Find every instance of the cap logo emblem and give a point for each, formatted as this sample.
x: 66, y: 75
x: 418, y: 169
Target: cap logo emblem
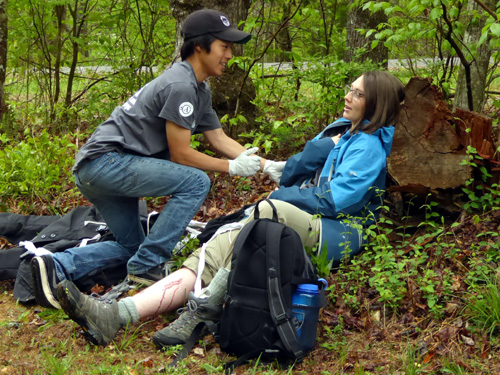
x: 186, y: 109
x: 225, y: 21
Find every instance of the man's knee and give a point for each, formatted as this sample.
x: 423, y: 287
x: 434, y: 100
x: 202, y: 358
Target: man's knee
x: 206, y: 183
x: 196, y: 182
x: 201, y: 181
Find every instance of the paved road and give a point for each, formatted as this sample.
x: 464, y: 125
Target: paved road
x: 393, y: 64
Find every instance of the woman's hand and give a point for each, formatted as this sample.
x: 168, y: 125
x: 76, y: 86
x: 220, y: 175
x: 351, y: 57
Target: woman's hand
x: 336, y: 138
x: 274, y: 169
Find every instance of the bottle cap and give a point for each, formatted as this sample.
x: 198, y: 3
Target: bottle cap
x: 310, y: 288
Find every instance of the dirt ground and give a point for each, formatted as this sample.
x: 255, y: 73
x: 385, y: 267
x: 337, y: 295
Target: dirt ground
x: 370, y: 339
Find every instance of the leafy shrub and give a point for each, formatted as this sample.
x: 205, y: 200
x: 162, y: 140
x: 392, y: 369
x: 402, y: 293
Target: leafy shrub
x: 483, y: 308
x: 37, y: 168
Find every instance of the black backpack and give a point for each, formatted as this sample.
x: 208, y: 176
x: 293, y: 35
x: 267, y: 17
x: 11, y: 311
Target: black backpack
x: 268, y: 263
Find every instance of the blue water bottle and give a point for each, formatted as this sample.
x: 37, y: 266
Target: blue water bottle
x: 305, y: 309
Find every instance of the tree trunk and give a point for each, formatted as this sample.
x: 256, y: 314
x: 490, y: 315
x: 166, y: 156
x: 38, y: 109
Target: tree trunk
x: 480, y: 62
x: 225, y: 89
x: 3, y: 54
x: 358, y: 47
x: 60, y: 12
x: 79, y: 14
x: 326, y: 23
x: 283, y: 39
x: 430, y: 141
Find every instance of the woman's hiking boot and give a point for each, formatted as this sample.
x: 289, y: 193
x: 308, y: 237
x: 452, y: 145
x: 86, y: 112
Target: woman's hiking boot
x: 196, y: 311
x: 206, y: 307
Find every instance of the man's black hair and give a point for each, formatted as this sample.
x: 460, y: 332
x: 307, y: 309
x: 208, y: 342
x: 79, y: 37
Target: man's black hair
x: 204, y: 41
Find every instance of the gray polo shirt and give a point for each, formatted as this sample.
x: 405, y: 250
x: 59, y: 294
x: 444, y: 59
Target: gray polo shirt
x: 138, y: 126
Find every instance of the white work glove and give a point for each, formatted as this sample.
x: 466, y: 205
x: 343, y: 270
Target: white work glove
x: 274, y: 169
x: 245, y: 165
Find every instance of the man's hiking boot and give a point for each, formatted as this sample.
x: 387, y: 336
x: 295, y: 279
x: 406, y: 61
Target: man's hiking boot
x: 205, y: 307
x: 149, y: 277
x: 197, y: 310
x: 100, y: 320
x: 44, y: 277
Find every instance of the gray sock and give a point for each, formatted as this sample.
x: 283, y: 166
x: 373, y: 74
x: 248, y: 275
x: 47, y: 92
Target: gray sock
x: 217, y: 288
x: 127, y: 311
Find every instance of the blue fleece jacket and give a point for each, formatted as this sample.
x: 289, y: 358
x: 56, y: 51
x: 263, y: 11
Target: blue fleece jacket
x: 352, y: 176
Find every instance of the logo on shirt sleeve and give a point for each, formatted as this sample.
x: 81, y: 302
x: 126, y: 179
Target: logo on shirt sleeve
x: 186, y: 109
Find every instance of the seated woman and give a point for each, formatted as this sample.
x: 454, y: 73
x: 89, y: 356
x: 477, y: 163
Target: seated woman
x: 333, y: 178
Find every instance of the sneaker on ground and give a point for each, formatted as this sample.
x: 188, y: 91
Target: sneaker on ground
x: 44, y: 277
x: 149, y: 277
x: 196, y: 311
x: 100, y: 320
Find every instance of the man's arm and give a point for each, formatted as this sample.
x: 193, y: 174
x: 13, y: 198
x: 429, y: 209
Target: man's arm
x: 225, y: 145
x: 179, y: 140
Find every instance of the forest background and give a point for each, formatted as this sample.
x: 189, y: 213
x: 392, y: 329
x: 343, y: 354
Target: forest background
x: 422, y: 297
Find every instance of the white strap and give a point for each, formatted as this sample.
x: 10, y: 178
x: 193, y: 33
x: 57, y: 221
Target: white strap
x: 194, y: 224
x: 32, y: 249
x: 149, y: 218
x: 201, y: 267
x: 86, y: 240
x: 87, y: 222
x: 201, y: 259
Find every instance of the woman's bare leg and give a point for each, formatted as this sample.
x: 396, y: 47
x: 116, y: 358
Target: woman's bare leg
x: 167, y: 294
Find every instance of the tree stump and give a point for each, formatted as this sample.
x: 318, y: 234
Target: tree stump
x: 430, y: 141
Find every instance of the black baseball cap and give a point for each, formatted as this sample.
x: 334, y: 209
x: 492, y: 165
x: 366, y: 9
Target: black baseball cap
x: 210, y: 21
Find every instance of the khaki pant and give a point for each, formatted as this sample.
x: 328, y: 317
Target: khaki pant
x: 219, y: 250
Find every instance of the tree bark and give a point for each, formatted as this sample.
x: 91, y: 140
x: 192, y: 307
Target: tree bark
x: 283, y: 39
x: 3, y: 54
x: 480, y: 63
x: 355, y: 42
x: 60, y: 13
x: 79, y: 13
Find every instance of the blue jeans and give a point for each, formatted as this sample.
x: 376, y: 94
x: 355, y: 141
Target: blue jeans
x: 113, y: 183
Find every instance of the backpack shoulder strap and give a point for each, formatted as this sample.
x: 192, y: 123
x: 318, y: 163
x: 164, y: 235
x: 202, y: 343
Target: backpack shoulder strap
x: 199, y: 331
x: 286, y: 330
x: 248, y: 227
x: 202, y: 329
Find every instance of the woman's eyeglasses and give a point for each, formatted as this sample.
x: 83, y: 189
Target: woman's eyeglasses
x: 356, y: 94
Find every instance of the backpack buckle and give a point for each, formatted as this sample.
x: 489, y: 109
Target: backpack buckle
x: 271, y: 272
x: 281, y: 318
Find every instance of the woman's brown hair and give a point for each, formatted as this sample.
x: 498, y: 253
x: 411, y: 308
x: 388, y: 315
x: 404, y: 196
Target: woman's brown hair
x: 383, y: 94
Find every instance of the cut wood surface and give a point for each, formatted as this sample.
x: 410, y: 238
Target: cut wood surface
x: 430, y: 141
